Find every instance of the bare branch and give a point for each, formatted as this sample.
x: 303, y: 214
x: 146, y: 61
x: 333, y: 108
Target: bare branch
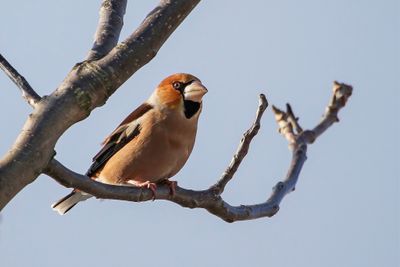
x: 293, y: 119
x: 108, y: 29
x: 206, y: 199
x: 211, y: 199
x: 287, y: 121
x: 141, y: 46
x: 341, y: 93
x: 27, y: 91
x: 285, y: 125
x: 242, y: 149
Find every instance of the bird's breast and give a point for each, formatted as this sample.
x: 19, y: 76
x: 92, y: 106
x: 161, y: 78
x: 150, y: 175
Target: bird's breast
x: 161, y: 149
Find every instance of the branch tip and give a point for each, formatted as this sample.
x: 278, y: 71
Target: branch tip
x: 242, y: 149
x: 28, y: 93
x: 279, y: 114
x: 292, y: 119
x: 263, y: 101
x: 342, y: 92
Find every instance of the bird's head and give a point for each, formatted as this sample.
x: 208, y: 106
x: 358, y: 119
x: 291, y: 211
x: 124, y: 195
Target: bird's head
x: 180, y: 91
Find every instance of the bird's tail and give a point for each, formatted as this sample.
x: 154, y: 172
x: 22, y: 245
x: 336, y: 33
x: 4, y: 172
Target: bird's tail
x: 69, y: 201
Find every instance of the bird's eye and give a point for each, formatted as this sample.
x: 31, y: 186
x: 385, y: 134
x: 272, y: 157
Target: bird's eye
x: 177, y: 85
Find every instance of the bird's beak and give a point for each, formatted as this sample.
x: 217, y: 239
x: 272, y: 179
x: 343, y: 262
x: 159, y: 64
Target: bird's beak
x: 195, y: 91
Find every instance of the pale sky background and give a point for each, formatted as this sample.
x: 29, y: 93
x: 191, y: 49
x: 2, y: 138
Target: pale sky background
x: 345, y: 211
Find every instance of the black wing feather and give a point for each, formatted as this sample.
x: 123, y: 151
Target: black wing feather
x: 118, y: 138
x: 109, y: 149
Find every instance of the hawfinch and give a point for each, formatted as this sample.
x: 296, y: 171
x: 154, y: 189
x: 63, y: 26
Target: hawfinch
x: 152, y: 144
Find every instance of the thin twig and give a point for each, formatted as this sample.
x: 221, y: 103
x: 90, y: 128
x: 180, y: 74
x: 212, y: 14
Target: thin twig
x: 242, y: 149
x: 293, y: 119
x: 341, y: 93
x: 298, y: 141
x: 27, y: 91
x: 108, y: 28
x: 285, y: 127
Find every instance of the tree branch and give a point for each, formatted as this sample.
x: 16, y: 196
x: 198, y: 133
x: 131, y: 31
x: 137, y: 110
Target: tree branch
x: 210, y: 199
x: 87, y: 86
x: 205, y: 199
x: 293, y: 120
x: 140, y: 47
x: 27, y: 91
x: 341, y: 93
x: 108, y: 28
x: 242, y: 149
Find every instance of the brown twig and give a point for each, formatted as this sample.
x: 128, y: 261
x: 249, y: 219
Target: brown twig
x: 242, y: 149
x: 27, y: 91
x: 341, y: 93
x: 285, y: 126
x: 298, y: 141
x: 293, y: 120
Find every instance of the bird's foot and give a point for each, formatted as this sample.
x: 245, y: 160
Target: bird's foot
x: 172, y: 186
x: 147, y: 184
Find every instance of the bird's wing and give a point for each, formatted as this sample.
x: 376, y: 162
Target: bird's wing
x: 125, y: 132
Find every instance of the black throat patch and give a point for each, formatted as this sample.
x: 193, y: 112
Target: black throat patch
x: 191, y: 108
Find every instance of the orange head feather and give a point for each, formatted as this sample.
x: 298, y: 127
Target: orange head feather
x: 170, y: 91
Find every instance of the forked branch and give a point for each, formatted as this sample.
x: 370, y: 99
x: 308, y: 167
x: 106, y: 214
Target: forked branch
x: 211, y: 199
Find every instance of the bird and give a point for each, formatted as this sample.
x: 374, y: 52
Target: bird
x: 151, y: 144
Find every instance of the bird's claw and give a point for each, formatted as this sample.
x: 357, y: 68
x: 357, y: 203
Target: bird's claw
x: 148, y: 185
x: 172, y: 186
x: 153, y: 188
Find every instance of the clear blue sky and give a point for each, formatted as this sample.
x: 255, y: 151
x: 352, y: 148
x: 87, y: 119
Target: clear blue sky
x: 345, y: 211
